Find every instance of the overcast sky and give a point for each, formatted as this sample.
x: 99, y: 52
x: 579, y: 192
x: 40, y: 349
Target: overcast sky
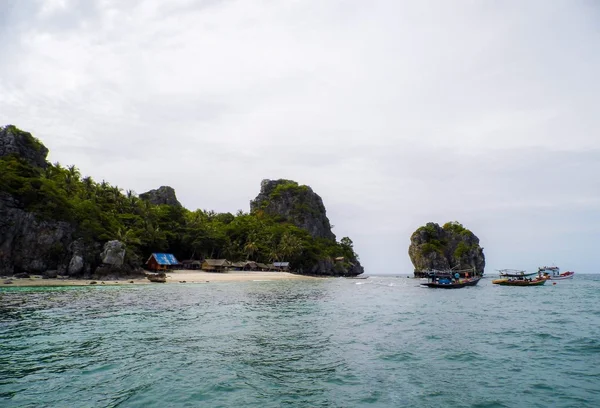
x: 397, y: 113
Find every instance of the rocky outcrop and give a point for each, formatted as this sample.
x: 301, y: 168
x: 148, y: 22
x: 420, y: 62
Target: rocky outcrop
x: 331, y: 267
x: 29, y: 244
x: 288, y: 201
x: 161, y: 196
x: 113, y: 253
x: 294, y: 203
x: 14, y: 141
x: 441, y: 248
x: 115, y: 263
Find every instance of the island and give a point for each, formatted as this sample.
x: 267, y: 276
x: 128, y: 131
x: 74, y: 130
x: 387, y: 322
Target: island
x: 56, y: 222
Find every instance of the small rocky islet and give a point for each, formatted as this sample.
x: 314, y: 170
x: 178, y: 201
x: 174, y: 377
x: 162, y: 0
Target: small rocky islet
x: 451, y: 246
x: 55, y: 222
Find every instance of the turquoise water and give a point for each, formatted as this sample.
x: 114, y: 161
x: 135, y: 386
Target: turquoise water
x: 381, y: 342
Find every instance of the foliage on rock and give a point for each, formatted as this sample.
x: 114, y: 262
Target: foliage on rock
x: 440, y: 248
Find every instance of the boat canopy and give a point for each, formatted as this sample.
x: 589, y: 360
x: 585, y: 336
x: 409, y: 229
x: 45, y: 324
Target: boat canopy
x: 515, y: 273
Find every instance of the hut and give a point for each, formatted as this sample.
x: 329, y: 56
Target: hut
x: 215, y: 265
x: 238, y: 266
x: 250, y: 266
x: 263, y: 267
x: 161, y: 262
x: 282, y: 266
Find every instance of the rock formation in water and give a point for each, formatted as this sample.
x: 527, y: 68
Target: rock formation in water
x: 296, y: 204
x: 442, y: 248
x: 164, y: 195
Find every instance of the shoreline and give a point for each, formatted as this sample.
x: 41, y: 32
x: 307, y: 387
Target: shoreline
x: 175, y: 276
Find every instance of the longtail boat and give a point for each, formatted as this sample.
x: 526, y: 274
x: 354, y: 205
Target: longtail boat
x: 450, y: 280
x: 515, y: 277
x: 520, y: 282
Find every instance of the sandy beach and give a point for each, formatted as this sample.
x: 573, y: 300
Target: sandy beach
x: 177, y: 276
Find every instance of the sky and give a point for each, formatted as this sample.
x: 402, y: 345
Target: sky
x: 397, y: 113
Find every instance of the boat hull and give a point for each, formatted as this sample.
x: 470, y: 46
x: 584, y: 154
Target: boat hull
x: 563, y: 276
x: 506, y: 282
x: 453, y: 285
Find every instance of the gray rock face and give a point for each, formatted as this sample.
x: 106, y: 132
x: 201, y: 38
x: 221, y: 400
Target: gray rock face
x: 113, y: 253
x: 16, y: 142
x: 329, y: 267
x: 75, y: 265
x: 162, y: 195
x: 29, y: 244
x: 443, y: 248
x: 294, y: 203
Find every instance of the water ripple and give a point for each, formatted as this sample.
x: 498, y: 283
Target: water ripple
x: 327, y: 343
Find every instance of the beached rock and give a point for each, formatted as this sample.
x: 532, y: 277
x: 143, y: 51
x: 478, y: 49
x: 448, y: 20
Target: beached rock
x: 157, y: 277
x: 8, y: 282
x: 164, y: 195
x: 294, y: 203
x: 443, y: 248
x: 14, y: 141
x: 53, y: 274
x: 113, y: 253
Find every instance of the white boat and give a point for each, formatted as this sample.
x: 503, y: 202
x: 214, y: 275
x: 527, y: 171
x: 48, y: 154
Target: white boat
x: 553, y: 273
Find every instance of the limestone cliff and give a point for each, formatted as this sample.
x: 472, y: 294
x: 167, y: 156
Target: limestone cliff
x: 32, y: 243
x: 29, y: 244
x: 14, y: 141
x: 164, y: 195
x: 441, y: 248
x: 288, y: 201
x: 296, y: 204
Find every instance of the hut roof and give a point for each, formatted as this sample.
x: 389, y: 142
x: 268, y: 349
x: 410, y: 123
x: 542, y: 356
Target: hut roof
x: 164, y: 259
x: 262, y: 265
x: 281, y: 264
x: 238, y: 264
x: 217, y: 262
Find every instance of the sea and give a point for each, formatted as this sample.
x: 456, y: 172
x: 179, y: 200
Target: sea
x: 377, y: 342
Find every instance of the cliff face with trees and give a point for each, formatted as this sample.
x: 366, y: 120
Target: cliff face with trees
x: 441, y: 248
x: 287, y: 202
x: 54, y: 220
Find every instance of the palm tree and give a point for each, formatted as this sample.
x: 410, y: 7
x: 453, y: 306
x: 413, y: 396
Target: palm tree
x: 250, y: 248
x: 289, y: 245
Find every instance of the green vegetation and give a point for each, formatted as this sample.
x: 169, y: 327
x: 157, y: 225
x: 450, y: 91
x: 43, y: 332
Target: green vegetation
x: 456, y: 227
x: 103, y: 212
x: 288, y: 187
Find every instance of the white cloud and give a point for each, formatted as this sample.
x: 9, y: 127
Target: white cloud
x: 396, y: 113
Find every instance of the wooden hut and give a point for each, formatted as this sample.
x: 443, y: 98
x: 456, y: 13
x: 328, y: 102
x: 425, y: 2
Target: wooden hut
x: 215, y: 265
x: 161, y: 262
x: 250, y: 266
